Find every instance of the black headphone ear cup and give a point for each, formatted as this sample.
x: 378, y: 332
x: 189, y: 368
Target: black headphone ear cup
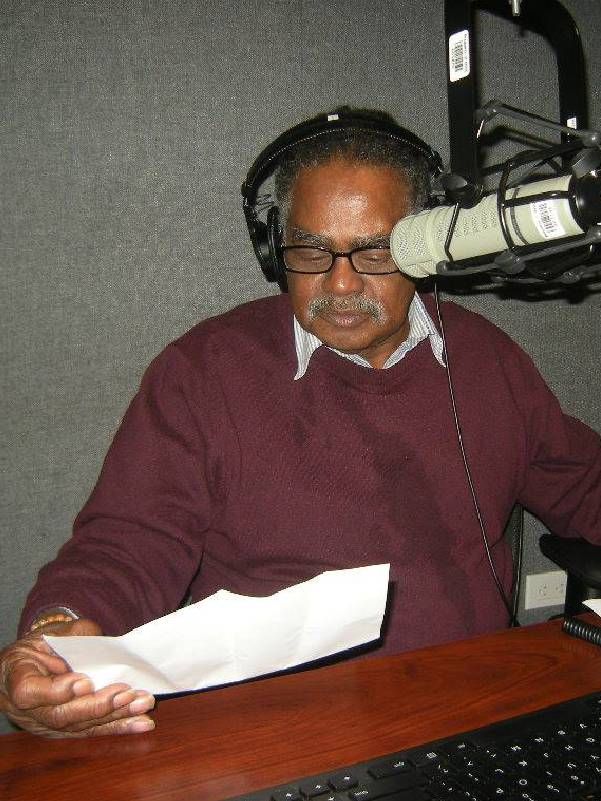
x: 274, y: 240
x: 260, y: 240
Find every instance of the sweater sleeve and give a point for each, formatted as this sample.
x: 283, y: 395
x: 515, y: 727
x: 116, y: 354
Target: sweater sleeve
x: 562, y: 480
x: 138, y: 541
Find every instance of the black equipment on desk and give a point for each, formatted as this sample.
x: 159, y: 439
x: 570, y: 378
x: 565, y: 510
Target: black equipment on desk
x: 554, y: 753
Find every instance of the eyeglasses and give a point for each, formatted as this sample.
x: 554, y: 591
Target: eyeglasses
x: 310, y: 260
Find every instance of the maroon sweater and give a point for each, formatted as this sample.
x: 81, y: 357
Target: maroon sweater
x: 228, y: 473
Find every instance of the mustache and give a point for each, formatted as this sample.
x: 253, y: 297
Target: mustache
x: 359, y: 303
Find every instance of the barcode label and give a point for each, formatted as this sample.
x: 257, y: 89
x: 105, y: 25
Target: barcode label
x: 459, y: 55
x: 546, y: 219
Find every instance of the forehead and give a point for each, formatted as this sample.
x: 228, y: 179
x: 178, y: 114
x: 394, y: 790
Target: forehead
x: 343, y: 199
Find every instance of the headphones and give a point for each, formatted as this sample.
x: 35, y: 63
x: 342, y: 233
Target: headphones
x: 266, y: 236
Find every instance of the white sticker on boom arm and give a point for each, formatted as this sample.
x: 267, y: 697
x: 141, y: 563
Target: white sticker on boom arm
x: 459, y: 55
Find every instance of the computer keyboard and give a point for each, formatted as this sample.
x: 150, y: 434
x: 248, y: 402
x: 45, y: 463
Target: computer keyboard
x: 551, y: 754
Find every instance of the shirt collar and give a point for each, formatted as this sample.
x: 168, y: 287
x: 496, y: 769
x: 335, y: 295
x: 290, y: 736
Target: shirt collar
x: 420, y: 327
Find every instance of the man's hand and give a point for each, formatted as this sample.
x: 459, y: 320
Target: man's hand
x: 39, y: 693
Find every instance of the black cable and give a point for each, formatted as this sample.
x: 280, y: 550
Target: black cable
x: 585, y: 631
x: 517, y: 572
x: 511, y: 612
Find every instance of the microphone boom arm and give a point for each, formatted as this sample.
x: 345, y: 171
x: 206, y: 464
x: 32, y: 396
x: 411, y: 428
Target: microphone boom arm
x: 463, y: 184
x: 547, y: 17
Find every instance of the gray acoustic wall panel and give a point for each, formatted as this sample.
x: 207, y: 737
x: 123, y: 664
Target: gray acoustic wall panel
x: 126, y: 130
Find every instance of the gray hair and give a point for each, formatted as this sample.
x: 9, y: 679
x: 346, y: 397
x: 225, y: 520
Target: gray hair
x: 359, y: 146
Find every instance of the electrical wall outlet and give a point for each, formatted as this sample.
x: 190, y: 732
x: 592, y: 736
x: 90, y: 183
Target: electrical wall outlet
x: 545, y: 589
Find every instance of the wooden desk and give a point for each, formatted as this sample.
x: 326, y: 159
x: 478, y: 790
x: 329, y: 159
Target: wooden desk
x: 221, y: 743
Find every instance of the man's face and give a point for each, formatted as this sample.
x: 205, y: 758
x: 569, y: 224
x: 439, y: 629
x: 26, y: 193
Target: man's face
x: 341, y: 205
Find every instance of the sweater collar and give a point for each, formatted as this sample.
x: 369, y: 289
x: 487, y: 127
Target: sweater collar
x: 421, y: 327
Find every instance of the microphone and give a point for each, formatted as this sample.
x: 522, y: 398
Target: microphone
x: 544, y: 211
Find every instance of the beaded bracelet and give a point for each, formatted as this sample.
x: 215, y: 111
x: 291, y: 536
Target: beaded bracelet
x: 49, y: 618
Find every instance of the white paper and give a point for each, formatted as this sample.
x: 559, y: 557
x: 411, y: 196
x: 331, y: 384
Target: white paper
x: 229, y: 637
x: 594, y: 604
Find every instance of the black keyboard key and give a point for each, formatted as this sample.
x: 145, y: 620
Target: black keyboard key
x: 390, y: 767
x: 425, y: 756
x: 331, y: 795
x: 590, y: 742
x: 556, y: 790
x: 456, y: 748
x: 343, y: 781
x: 286, y: 795
x: 314, y: 789
x: 386, y: 787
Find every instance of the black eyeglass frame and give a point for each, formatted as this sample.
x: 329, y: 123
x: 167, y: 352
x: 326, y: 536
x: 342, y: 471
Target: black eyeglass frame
x: 334, y: 255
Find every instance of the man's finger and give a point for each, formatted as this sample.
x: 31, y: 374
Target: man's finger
x: 110, y: 705
x: 136, y: 725
x: 131, y: 717
x: 29, y: 686
x: 81, y: 709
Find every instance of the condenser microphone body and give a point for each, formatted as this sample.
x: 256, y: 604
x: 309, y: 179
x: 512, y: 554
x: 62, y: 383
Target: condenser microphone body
x: 417, y: 242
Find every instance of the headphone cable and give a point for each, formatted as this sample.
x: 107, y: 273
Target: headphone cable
x: 512, y: 612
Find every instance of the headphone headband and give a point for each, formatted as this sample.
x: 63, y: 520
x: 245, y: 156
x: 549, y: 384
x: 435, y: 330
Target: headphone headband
x: 325, y: 125
x: 264, y: 236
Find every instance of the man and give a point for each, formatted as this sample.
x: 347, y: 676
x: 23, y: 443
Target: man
x: 306, y: 432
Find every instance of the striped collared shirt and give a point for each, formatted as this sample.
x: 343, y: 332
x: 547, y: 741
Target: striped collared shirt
x: 420, y: 327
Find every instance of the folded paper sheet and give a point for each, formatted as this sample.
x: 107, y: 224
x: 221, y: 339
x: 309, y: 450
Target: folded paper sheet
x: 230, y: 637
